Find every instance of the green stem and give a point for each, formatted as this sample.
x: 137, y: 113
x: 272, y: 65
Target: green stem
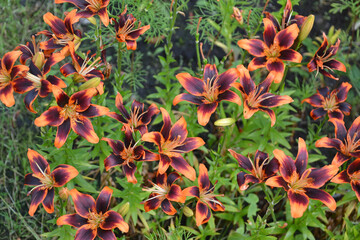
x: 198, y: 50
x: 270, y: 200
x: 119, y: 59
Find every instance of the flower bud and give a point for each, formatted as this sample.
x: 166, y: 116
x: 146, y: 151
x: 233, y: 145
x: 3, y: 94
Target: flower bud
x: 124, y: 209
x: 224, y: 122
x: 92, y: 20
x: 237, y: 14
x: 306, y: 28
x: 188, y: 212
x: 39, y: 59
x: 64, y: 193
x: 92, y: 83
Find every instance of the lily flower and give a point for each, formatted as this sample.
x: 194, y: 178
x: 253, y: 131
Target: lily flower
x: 125, y: 153
x: 137, y: 119
x: 301, y: 183
x: 93, y: 218
x: 347, y: 143
x: 91, y: 8
x: 331, y: 103
x: 350, y: 175
x: 275, y: 49
x: 163, y: 192
x: 62, y: 33
x: 9, y: 73
x: 206, y: 197
x: 172, y: 142
x: 258, y: 98
x: 32, y: 51
x: 286, y: 18
x: 72, y: 113
x: 261, y: 169
x: 36, y: 83
x: 323, y: 59
x: 209, y: 91
x: 44, y: 181
x: 124, y: 29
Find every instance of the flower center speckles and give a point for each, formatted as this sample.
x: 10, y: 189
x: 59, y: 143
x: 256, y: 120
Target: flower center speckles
x: 128, y: 155
x: 211, y: 90
x: 94, y: 5
x: 5, y: 78
x: 350, y: 145
x: 124, y: 31
x: 69, y: 111
x: 330, y: 103
x: 259, y: 168
x: 47, y: 181
x: 273, y: 52
x: 135, y: 116
x: 170, y: 145
x: 208, y: 196
x: 95, y: 219
x: 298, y: 184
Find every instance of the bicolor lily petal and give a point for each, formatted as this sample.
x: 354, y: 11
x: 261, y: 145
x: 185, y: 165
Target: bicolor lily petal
x: 275, y: 49
x: 350, y: 175
x: 72, y: 113
x: 261, y: 169
x: 172, y: 141
x: 206, y: 198
x: 44, y: 181
x: 8, y: 74
x: 301, y: 183
x: 91, y: 8
x: 125, y: 154
x: 347, y: 143
x: 124, y: 29
x: 323, y: 60
x: 258, y: 98
x: 93, y: 218
x: 163, y: 193
x: 208, y: 91
x: 62, y: 33
x: 138, y: 119
x: 36, y: 83
x: 331, y: 103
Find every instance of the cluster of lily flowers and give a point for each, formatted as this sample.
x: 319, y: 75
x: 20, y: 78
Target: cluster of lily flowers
x: 93, y: 218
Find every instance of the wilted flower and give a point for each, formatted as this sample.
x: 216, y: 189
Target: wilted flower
x: 92, y: 218
x: 209, y: 91
x: 331, y: 103
x: 323, y: 59
x: 275, y: 49
x: 347, y: 143
x: 206, y: 197
x: 301, y: 183
x: 261, y: 169
x: 258, y: 98
x: 163, y: 192
x: 45, y: 181
x: 172, y: 141
x: 72, y: 113
x: 124, y: 29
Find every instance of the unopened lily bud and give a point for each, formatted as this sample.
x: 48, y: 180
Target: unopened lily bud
x: 92, y: 20
x: 188, y: 212
x: 64, y: 193
x: 334, y: 37
x: 39, y: 59
x: 306, y: 28
x: 237, y: 14
x: 124, y: 209
x: 92, y: 83
x: 224, y: 122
